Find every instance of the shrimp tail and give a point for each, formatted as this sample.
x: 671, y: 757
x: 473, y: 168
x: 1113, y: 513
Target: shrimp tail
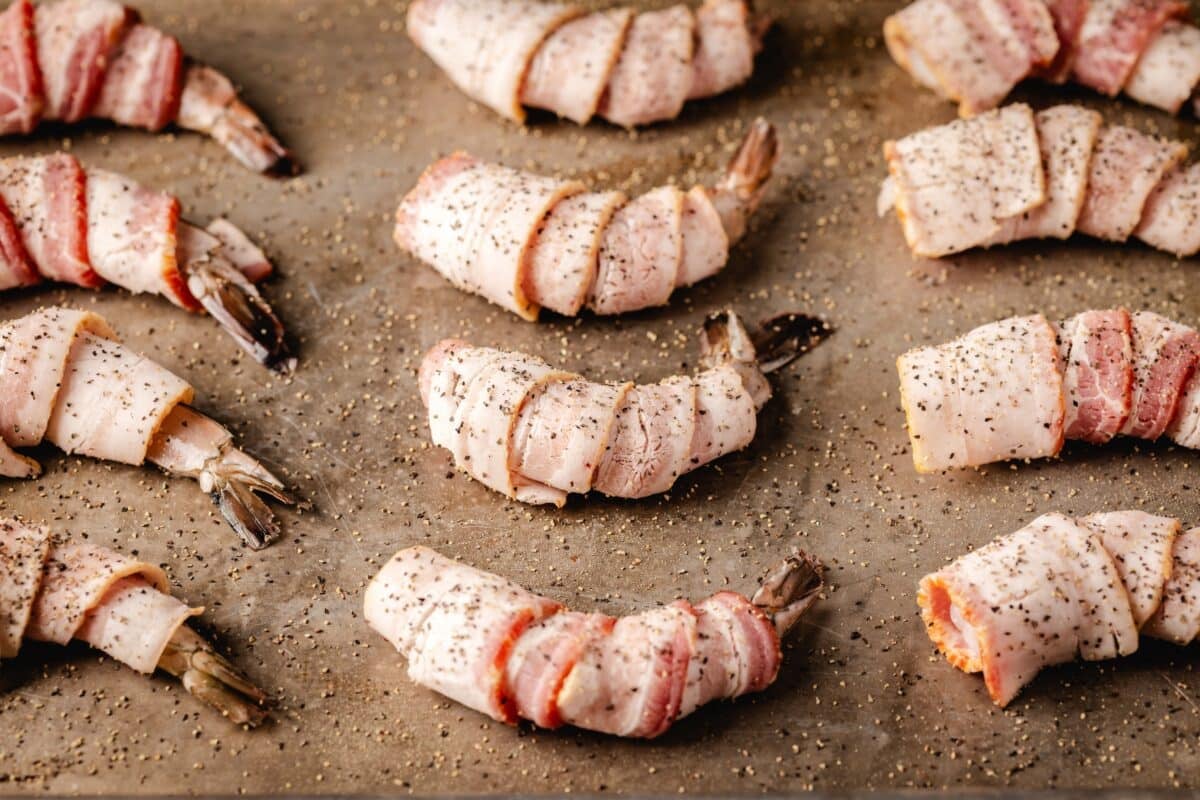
x: 232, y: 300
x: 211, y: 679
x: 238, y: 484
x: 190, y: 444
x: 237, y: 307
x: 210, y: 105
x: 760, y: 25
x: 773, y: 345
x: 738, y: 194
x: 789, y: 589
x: 782, y: 339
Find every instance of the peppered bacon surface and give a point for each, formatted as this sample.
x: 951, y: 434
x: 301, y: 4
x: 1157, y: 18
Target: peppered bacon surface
x: 1019, y: 387
x: 527, y: 242
x: 70, y: 60
x: 59, y: 591
x: 538, y: 434
x: 65, y: 222
x: 974, y: 52
x: 1061, y: 589
x: 628, y: 68
x: 65, y: 380
x: 508, y: 653
x: 1010, y: 174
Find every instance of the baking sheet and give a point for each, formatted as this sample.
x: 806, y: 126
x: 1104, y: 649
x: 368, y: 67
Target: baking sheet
x: 862, y: 700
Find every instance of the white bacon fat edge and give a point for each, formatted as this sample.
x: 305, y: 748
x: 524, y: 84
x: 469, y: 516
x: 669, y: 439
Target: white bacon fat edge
x: 511, y: 654
x: 629, y: 68
x: 1012, y: 174
x: 1020, y: 387
x: 74, y: 59
x: 537, y: 434
x: 54, y: 590
x: 527, y: 242
x: 1062, y: 588
x: 65, y: 222
x: 974, y: 52
x: 64, y: 379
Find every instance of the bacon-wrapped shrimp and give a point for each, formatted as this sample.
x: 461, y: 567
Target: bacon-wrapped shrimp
x: 537, y: 434
x: 69, y: 60
x: 629, y: 68
x: 56, y: 591
x: 1020, y: 387
x: 975, y: 52
x: 1012, y: 174
x: 1061, y: 589
x: 508, y: 653
x: 65, y: 222
x: 65, y: 379
x: 526, y: 242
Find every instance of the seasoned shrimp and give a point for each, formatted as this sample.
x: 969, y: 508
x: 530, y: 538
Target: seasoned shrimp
x: 527, y: 242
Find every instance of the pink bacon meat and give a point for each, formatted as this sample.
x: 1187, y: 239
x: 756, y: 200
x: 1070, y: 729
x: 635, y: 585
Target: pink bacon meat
x: 974, y: 52
x: 1061, y: 589
x: 74, y: 59
x: 629, y: 68
x: 59, y: 591
x: 527, y: 242
x: 511, y: 654
x: 63, y: 222
x: 1019, y: 387
x: 1010, y: 174
x: 537, y: 434
x: 64, y: 379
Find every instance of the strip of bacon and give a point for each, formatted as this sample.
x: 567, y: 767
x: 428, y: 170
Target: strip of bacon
x: 1114, y: 35
x: 992, y: 395
x: 1165, y: 354
x: 1098, y: 373
x: 47, y: 198
x: 21, y: 97
x: 75, y: 40
x: 144, y: 84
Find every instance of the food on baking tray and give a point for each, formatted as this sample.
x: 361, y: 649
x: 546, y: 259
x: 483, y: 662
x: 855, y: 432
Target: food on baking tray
x: 55, y: 591
x: 73, y: 59
x: 1018, y: 388
x: 1063, y: 588
x: 511, y: 654
x: 629, y: 68
x: 537, y: 434
x: 974, y: 52
x: 61, y: 221
x: 1012, y: 174
x: 64, y: 379
x: 526, y: 242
